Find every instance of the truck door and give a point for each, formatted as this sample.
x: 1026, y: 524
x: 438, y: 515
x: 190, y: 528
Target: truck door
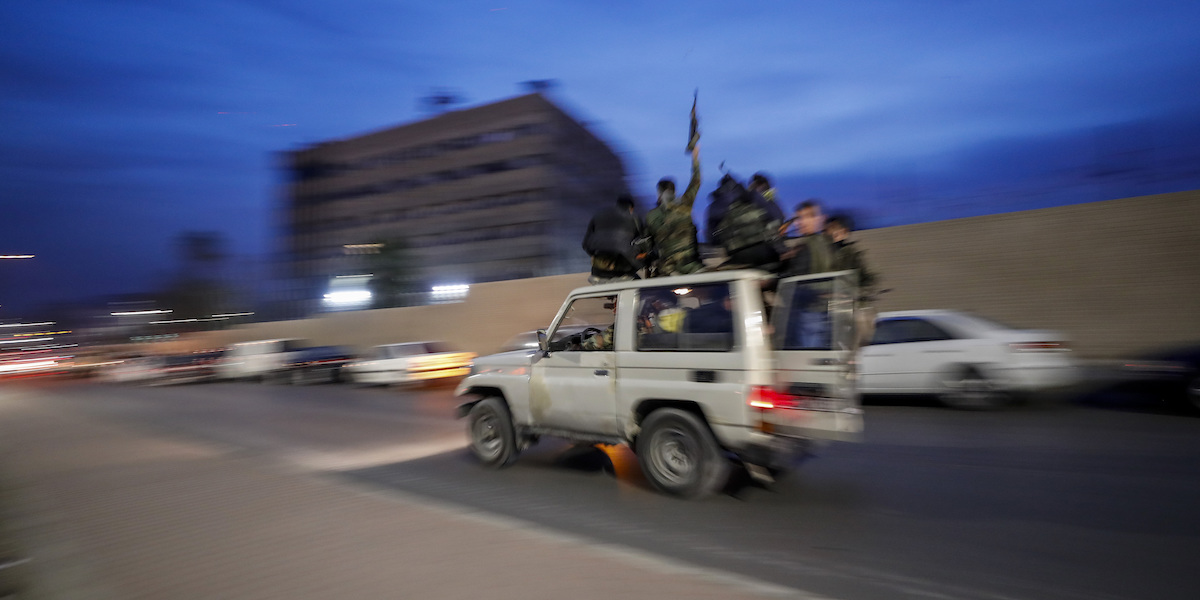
x: 573, y: 387
x: 814, y: 343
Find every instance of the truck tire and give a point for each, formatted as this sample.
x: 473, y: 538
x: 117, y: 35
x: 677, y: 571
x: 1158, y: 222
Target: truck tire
x: 679, y: 454
x: 490, y: 429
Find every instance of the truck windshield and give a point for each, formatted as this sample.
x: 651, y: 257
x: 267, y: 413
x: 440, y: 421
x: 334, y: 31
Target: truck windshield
x: 590, y: 312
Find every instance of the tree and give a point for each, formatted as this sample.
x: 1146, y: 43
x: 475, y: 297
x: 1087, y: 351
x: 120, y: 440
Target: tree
x: 197, y: 291
x: 393, y: 280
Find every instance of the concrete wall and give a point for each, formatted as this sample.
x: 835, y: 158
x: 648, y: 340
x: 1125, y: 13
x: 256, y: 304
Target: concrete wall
x: 1118, y: 276
x: 492, y: 313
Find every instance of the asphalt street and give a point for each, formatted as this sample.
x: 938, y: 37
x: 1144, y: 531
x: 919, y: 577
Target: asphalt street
x: 1056, y: 502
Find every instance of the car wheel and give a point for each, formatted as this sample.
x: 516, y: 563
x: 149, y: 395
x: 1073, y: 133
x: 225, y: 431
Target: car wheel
x: 491, y: 431
x: 679, y: 454
x: 356, y: 380
x: 968, y: 389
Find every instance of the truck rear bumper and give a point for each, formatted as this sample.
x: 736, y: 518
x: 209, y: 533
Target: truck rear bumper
x: 765, y: 450
x: 780, y: 454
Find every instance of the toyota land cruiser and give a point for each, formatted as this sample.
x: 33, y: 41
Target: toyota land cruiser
x: 697, y: 374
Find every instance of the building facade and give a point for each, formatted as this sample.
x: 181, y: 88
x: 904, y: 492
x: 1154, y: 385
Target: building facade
x: 495, y: 192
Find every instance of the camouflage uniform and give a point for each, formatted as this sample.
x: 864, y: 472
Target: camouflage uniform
x: 599, y: 341
x: 674, y: 234
x: 748, y: 234
x: 846, y: 257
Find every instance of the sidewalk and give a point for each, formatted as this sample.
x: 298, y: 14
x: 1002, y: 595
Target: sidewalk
x: 108, y: 512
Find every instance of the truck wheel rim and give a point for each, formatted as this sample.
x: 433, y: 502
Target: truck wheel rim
x: 487, y: 438
x: 673, y: 455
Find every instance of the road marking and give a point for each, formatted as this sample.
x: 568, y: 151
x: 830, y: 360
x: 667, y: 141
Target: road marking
x: 350, y: 460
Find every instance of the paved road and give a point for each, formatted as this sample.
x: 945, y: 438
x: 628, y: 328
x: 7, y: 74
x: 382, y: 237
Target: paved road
x: 1043, y: 502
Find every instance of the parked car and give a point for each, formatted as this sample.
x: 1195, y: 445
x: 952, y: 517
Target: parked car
x: 87, y: 364
x: 528, y: 340
x: 35, y: 363
x: 258, y: 360
x: 409, y: 362
x: 133, y: 369
x: 321, y: 364
x: 194, y: 367
x: 965, y: 360
x: 1170, y: 377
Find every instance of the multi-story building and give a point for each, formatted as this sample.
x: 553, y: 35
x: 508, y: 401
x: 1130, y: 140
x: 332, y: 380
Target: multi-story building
x: 500, y: 191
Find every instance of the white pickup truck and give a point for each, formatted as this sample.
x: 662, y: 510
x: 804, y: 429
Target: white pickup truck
x: 696, y: 373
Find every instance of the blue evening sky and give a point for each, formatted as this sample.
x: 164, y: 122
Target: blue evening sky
x: 128, y: 122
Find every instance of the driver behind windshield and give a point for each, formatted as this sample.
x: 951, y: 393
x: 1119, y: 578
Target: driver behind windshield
x: 601, y: 339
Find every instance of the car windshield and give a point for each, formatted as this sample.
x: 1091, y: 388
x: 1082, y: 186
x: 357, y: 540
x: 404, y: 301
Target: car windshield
x: 437, y: 347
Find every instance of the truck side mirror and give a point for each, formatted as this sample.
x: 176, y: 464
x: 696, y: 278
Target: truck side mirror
x: 543, y: 341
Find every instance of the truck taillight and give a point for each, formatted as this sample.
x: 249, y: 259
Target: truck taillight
x: 765, y: 397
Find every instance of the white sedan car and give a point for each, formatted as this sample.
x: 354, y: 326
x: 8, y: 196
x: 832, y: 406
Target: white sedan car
x: 409, y: 362
x: 134, y: 369
x: 528, y: 341
x: 965, y: 360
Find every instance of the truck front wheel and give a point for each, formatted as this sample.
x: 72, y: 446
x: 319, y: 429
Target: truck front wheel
x: 491, y: 430
x: 679, y: 454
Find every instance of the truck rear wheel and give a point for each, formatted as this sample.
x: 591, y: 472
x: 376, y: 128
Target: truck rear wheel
x: 679, y: 454
x: 491, y: 431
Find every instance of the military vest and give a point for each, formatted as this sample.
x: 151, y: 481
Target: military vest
x: 744, y: 224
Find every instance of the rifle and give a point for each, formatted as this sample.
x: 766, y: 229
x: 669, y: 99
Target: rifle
x: 694, y: 128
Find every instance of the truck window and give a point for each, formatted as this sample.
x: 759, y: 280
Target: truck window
x: 588, y: 315
x: 808, y: 320
x: 693, y: 319
x: 815, y: 314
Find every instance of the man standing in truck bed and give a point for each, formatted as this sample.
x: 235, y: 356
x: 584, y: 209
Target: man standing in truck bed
x: 612, y: 242
x: 670, y: 223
